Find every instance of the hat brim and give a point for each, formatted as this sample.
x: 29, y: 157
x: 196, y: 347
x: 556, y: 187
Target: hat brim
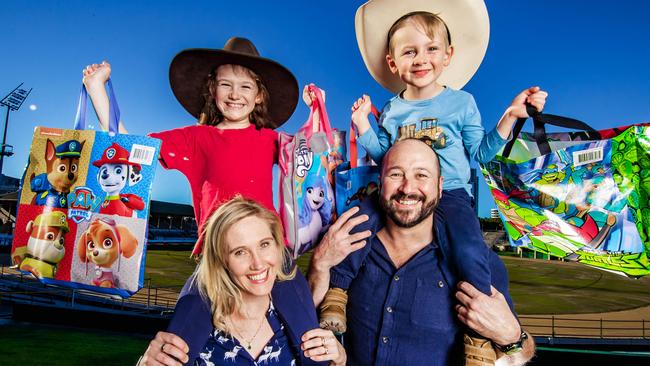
x: 99, y: 163
x: 188, y: 74
x: 468, y: 23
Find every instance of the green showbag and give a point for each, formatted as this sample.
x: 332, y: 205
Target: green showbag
x: 583, y: 196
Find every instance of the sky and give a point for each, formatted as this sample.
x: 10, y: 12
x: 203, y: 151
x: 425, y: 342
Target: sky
x: 589, y: 55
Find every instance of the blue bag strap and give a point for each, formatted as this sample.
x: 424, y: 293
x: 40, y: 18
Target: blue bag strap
x: 113, y: 109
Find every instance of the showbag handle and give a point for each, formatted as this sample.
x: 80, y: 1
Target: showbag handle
x: 539, y: 133
x: 113, y: 109
x: 353, y: 138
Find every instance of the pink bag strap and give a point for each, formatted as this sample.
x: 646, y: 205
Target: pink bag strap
x: 353, y: 138
x: 318, y: 106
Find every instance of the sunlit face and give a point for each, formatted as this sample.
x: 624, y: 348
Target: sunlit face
x: 416, y: 58
x: 410, y: 183
x: 316, y: 197
x: 253, y: 257
x: 236, y: 94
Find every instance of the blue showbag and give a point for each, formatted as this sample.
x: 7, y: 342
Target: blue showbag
x: 355, y: 179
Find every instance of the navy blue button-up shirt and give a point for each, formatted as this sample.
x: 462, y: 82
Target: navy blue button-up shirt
x: 406, y: 316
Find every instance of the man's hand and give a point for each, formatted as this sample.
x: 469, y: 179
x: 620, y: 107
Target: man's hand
x: 338, y: 242
x: 165, y: 349
x: 332, y: 250
x: 490, y: 316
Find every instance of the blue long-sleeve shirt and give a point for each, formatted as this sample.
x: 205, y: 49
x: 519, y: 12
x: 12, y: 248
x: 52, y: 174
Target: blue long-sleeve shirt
x: 449, y: 121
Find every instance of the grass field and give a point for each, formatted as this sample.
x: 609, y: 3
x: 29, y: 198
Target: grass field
x: 22, y: 344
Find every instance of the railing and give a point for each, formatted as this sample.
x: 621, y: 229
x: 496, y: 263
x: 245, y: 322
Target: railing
x: 156, y: 298
x: 555, y: 326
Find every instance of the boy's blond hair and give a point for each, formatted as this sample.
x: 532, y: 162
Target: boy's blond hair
x: 213, y: 278
x: 211, y: 115
x: 432, y: 24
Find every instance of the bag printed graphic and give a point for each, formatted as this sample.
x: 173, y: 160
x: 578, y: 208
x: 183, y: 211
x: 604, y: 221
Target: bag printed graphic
x: 577, y: 196
x: 306, y: 164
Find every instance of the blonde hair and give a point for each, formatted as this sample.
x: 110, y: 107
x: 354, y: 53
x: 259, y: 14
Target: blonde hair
x: 212, y: 277
x: 432, y: 24
x: 211, y: 115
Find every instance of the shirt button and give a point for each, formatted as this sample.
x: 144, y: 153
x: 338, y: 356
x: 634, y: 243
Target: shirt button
x: 384, y: 339
x: 441, y: 284
x: 396, y: 278
x: 389, y: 309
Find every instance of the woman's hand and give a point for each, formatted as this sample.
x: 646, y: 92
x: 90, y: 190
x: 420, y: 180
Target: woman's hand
x: 321, y: 345
x: 166, y: 349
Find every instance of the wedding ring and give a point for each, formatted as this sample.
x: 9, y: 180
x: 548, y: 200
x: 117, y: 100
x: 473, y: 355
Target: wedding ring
x: 322, y: 342
x: 162, y: 346
x: 327, y: 351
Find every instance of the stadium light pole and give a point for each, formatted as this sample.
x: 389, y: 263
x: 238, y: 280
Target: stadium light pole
x: 13, y: 101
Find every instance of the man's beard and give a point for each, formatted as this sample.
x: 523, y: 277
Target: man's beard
x: 389, y: 208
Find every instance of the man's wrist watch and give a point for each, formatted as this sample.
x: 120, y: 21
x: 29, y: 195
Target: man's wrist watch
x: 515, y: 347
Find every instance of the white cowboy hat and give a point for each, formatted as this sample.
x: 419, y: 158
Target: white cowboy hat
x: 467, y: 21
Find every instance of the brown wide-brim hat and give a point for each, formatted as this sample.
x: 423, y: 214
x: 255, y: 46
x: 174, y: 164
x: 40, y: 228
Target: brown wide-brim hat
x: 467, y: 21
x: 189, y: 70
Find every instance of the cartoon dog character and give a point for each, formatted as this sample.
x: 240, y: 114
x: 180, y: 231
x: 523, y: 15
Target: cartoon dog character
x: 102, y: 244
x: 315, y: 212
x: 46, y: 245
x: 115, y: 172
x: 62, y: 171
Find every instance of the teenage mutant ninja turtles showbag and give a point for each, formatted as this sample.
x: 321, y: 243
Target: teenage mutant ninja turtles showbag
x: 84, y: 205
x: 307, y: 161
x: 583, y: 196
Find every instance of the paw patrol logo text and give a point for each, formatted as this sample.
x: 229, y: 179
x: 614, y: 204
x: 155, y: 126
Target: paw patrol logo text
x: 82, y: 203
x: 304, y: 159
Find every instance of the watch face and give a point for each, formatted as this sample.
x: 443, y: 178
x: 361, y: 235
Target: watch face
x: 512, y: 348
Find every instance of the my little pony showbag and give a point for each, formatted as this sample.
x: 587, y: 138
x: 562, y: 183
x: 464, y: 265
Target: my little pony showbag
x: 306, y: 196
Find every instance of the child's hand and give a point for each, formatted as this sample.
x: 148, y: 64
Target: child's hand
x: 360, y: 111
x: 308, y: 97
x: 96, y: 75
x: 533, y: 96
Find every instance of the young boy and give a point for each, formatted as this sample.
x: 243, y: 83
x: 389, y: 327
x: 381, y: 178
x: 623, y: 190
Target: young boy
x: 417, y: 53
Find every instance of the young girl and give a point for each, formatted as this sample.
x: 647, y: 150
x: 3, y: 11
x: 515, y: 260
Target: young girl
x: 232, y: 148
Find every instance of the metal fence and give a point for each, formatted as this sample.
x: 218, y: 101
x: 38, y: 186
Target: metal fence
x: 587, y: 327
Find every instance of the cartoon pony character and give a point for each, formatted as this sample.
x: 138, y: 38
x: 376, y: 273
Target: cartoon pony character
x: 46, y: 245
x: 115, y: 172
x: 315, y: 212
x: 62, y: 171
x: 104, y: 243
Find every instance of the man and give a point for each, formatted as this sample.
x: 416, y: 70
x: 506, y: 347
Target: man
x: 401, y: 302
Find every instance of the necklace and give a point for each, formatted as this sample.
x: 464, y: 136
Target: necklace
x: 249, y: 342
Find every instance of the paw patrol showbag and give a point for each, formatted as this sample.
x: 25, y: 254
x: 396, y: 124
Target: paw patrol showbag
x: 84, y: 206
x: 306, y: 163
x: 582, y: 196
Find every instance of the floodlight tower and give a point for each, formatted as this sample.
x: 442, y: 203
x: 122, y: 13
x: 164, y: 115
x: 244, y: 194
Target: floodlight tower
x: 12, y: 101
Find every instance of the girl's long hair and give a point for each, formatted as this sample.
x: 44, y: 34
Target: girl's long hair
x: 213, y: 278
x: 211, y: 115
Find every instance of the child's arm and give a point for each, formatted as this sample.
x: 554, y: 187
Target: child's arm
x: 482, y: 146
x: 94, y: 78
x: 375, y: 145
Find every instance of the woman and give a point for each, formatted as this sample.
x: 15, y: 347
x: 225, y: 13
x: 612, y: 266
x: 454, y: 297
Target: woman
x: 245, y: 304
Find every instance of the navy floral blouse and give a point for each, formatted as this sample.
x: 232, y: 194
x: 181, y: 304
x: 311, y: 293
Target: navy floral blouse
x: 224, y: 349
